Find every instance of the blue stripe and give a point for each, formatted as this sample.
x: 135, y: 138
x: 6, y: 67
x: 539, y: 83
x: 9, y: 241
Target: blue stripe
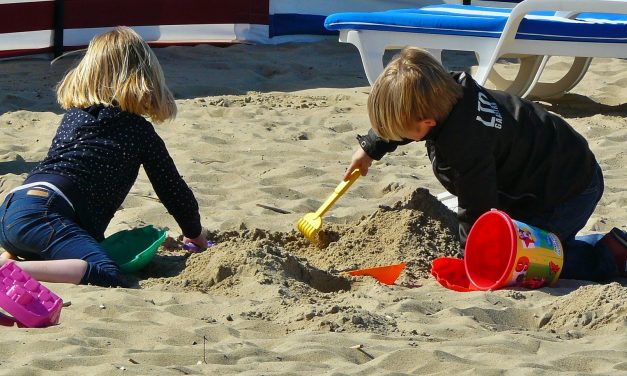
x: 290, y: 24
x: 472, y: 11
x: 417, y: 29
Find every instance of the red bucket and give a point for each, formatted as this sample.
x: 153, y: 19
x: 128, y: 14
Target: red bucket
x: 503, y: 252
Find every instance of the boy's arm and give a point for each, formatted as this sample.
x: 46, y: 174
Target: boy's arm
x: 376, y: 147
x: 477, y: 194
x: 371, y: 147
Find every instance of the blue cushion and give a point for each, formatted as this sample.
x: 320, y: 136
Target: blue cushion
x: 477, y: 21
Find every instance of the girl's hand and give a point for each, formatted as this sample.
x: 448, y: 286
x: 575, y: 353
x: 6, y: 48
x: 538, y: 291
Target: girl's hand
x: 361, y: 161
x: 198, y: 243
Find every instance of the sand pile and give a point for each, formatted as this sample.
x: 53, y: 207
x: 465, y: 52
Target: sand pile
x: 309, y: 279
x: 415, y: 230
x: 589, y: 308
x: 284, y: 279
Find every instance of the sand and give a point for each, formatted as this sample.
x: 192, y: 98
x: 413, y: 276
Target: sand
x: 276, y: 126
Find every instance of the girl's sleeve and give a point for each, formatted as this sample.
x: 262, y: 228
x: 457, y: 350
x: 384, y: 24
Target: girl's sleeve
x: 170, y: 187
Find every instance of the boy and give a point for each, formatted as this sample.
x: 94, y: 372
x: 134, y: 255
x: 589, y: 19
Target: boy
x: 493, y: 150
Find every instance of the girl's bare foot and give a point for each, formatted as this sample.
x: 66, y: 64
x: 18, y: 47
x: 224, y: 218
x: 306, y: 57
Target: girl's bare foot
x: 4, y: 257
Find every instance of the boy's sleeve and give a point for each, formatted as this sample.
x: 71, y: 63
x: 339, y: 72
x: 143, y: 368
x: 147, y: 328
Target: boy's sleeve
x: 376, y: 147
x: 477, y: 193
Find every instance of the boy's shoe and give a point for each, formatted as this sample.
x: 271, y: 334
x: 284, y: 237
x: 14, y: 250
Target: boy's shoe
x: 616, y: 242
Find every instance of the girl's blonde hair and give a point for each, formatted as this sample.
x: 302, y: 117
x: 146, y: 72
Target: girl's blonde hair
x: 119, y: 69
x: 414, y: 86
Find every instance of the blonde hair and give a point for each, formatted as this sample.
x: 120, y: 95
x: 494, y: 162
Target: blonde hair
x: 414, y: 86
x: 119, y: 69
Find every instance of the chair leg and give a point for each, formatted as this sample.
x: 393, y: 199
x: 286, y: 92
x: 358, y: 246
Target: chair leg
x: 555, y: 89
x: 437, y: 53
x: 371, y: 51
x: 484, y: 56
x: 534, y: 82
x: 530, y: 66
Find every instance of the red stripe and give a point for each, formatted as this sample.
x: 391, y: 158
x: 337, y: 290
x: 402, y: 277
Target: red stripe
x: 34, y: 51
x: 12, y: 53
x: 18, y: 17
x: 99, y: 13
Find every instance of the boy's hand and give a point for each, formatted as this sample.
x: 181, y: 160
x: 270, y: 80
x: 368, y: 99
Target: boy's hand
x: 361, y: 161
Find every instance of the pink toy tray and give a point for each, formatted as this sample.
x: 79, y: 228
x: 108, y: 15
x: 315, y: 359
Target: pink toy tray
x: 30, y: 302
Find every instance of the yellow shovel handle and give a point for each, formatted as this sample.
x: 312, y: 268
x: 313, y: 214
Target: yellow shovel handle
x: 338, y: 192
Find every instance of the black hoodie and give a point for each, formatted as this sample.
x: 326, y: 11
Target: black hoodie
x: 496, y: 150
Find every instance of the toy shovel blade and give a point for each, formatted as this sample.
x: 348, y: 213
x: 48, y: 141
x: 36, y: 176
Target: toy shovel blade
x: 311, y: 223
x: 384, y: 274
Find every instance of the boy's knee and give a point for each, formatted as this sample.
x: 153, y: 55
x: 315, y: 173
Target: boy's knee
x: 590, y: 262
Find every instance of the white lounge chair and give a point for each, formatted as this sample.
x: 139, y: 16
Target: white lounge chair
x: 533, y: 30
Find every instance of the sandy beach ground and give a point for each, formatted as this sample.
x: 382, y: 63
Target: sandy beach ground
x: 276, y: 126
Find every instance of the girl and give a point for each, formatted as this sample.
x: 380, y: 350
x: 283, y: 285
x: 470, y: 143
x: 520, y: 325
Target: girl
x: 60, y: 213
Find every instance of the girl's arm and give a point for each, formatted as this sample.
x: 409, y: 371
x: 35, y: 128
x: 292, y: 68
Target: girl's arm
x: 170, y: 187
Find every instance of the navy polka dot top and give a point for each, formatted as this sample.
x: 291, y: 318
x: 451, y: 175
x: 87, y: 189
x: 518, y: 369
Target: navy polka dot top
x: 94, y: 159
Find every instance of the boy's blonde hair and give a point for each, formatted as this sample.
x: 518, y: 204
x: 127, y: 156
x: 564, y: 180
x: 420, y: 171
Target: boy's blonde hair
x: 414, y: 86
x: 119, y: 69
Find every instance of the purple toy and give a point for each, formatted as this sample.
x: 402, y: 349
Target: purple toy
x: 30, y: 302
x: 194, y: 248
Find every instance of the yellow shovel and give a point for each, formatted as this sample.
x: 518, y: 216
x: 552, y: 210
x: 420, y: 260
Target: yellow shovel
x: 310, y: 224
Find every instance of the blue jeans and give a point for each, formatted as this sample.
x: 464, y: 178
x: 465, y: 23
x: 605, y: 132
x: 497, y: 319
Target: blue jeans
x: 584, y: 257
x: 38, y: 224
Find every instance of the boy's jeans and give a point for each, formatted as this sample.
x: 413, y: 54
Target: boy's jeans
x: 584, y: 256
x: 39, y: 224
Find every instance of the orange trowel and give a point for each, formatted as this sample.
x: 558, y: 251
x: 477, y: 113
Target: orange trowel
x: 384, y: 274
x: 311, y: 223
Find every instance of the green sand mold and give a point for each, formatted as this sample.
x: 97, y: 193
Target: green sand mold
x: 133, y: 249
